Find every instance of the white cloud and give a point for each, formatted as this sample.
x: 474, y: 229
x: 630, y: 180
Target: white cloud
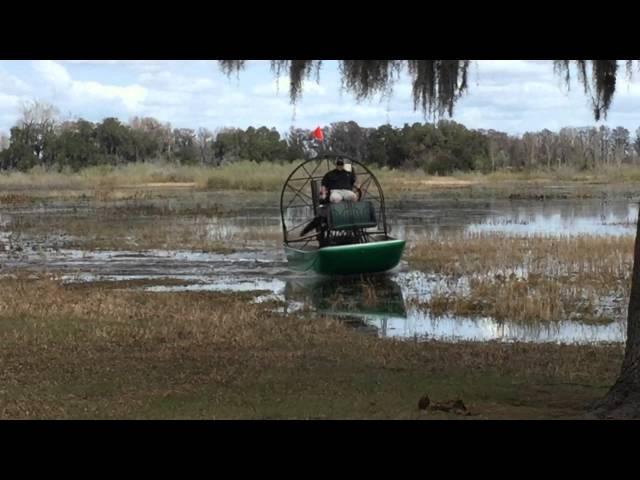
x: 232, y: 99
x: 282, y: 85
x: 168, y: 80
x: 166, y: 98
x: 514, y: 67
x: 12, y: 85
x: 344, y: 110
x: 8, y: 102
x: 93, y: 62
x: 131, y: 96
x: 87, y: 92
x: 517, y: 96
x: 136, y: 65
x: 53, y: 73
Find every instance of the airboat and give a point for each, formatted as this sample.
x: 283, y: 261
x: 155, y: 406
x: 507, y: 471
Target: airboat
x: 349, y: 237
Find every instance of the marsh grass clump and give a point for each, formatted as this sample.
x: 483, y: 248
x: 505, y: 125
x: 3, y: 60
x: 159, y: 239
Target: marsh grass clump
x: 537, y: 278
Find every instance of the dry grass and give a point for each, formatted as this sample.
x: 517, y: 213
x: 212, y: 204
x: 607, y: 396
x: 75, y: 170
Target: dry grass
x: 624, y: 173
x: 524, y: 301
x: 269, y: 176
x: 11, y: 199
x: 104, y: 353
x: 249, y: 176
x: 244, y: 175
x: 104, y: 176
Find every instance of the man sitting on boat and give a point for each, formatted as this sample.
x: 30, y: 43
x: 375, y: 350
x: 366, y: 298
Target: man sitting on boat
x: 339, y: 184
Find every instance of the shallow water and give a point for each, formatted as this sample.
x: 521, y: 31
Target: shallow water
x: 49, y: 238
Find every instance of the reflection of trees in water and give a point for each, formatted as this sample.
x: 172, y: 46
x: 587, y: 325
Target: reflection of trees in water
x: 572, y: 210
x: 354, y: 298
x: 415, y: 216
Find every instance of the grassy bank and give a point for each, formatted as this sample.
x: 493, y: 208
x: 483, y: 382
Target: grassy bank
x: 100, y: 352
x: 252, y: 176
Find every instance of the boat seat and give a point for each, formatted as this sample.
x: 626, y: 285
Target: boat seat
x: 351, y: 215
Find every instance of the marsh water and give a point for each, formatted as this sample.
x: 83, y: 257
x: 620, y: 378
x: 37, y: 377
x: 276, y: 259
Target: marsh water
x: 231, y: 242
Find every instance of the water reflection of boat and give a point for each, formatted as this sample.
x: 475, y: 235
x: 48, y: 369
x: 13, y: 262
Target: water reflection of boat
x: 361, y: 300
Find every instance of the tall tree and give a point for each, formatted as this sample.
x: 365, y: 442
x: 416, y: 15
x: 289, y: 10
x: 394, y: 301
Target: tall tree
x: 636, y: 142
x: 205, y: 140
x: 76, y: 145
x: 185, y: 149
x: 38, y: 120
x: 4, y: 141
x: 114, y: 140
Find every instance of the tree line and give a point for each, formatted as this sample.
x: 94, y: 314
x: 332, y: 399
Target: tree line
x: 40, y: 139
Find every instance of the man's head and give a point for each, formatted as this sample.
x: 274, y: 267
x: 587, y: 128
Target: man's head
x: 340, y: 164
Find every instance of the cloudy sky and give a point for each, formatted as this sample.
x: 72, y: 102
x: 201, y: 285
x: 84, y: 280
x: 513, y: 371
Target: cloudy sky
x: 508, y: 95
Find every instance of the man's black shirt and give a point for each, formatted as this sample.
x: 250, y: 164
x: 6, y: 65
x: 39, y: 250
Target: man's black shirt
x: 339, y: 180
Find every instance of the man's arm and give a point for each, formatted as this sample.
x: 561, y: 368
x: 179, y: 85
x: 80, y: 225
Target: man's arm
x: 325, y: 180
x: 323, y: 186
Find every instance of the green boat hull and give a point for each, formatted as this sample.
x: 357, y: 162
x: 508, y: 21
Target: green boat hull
x: 370, y: 257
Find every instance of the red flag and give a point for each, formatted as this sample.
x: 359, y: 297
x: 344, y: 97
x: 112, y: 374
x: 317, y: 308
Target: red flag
x: 317, y: 133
